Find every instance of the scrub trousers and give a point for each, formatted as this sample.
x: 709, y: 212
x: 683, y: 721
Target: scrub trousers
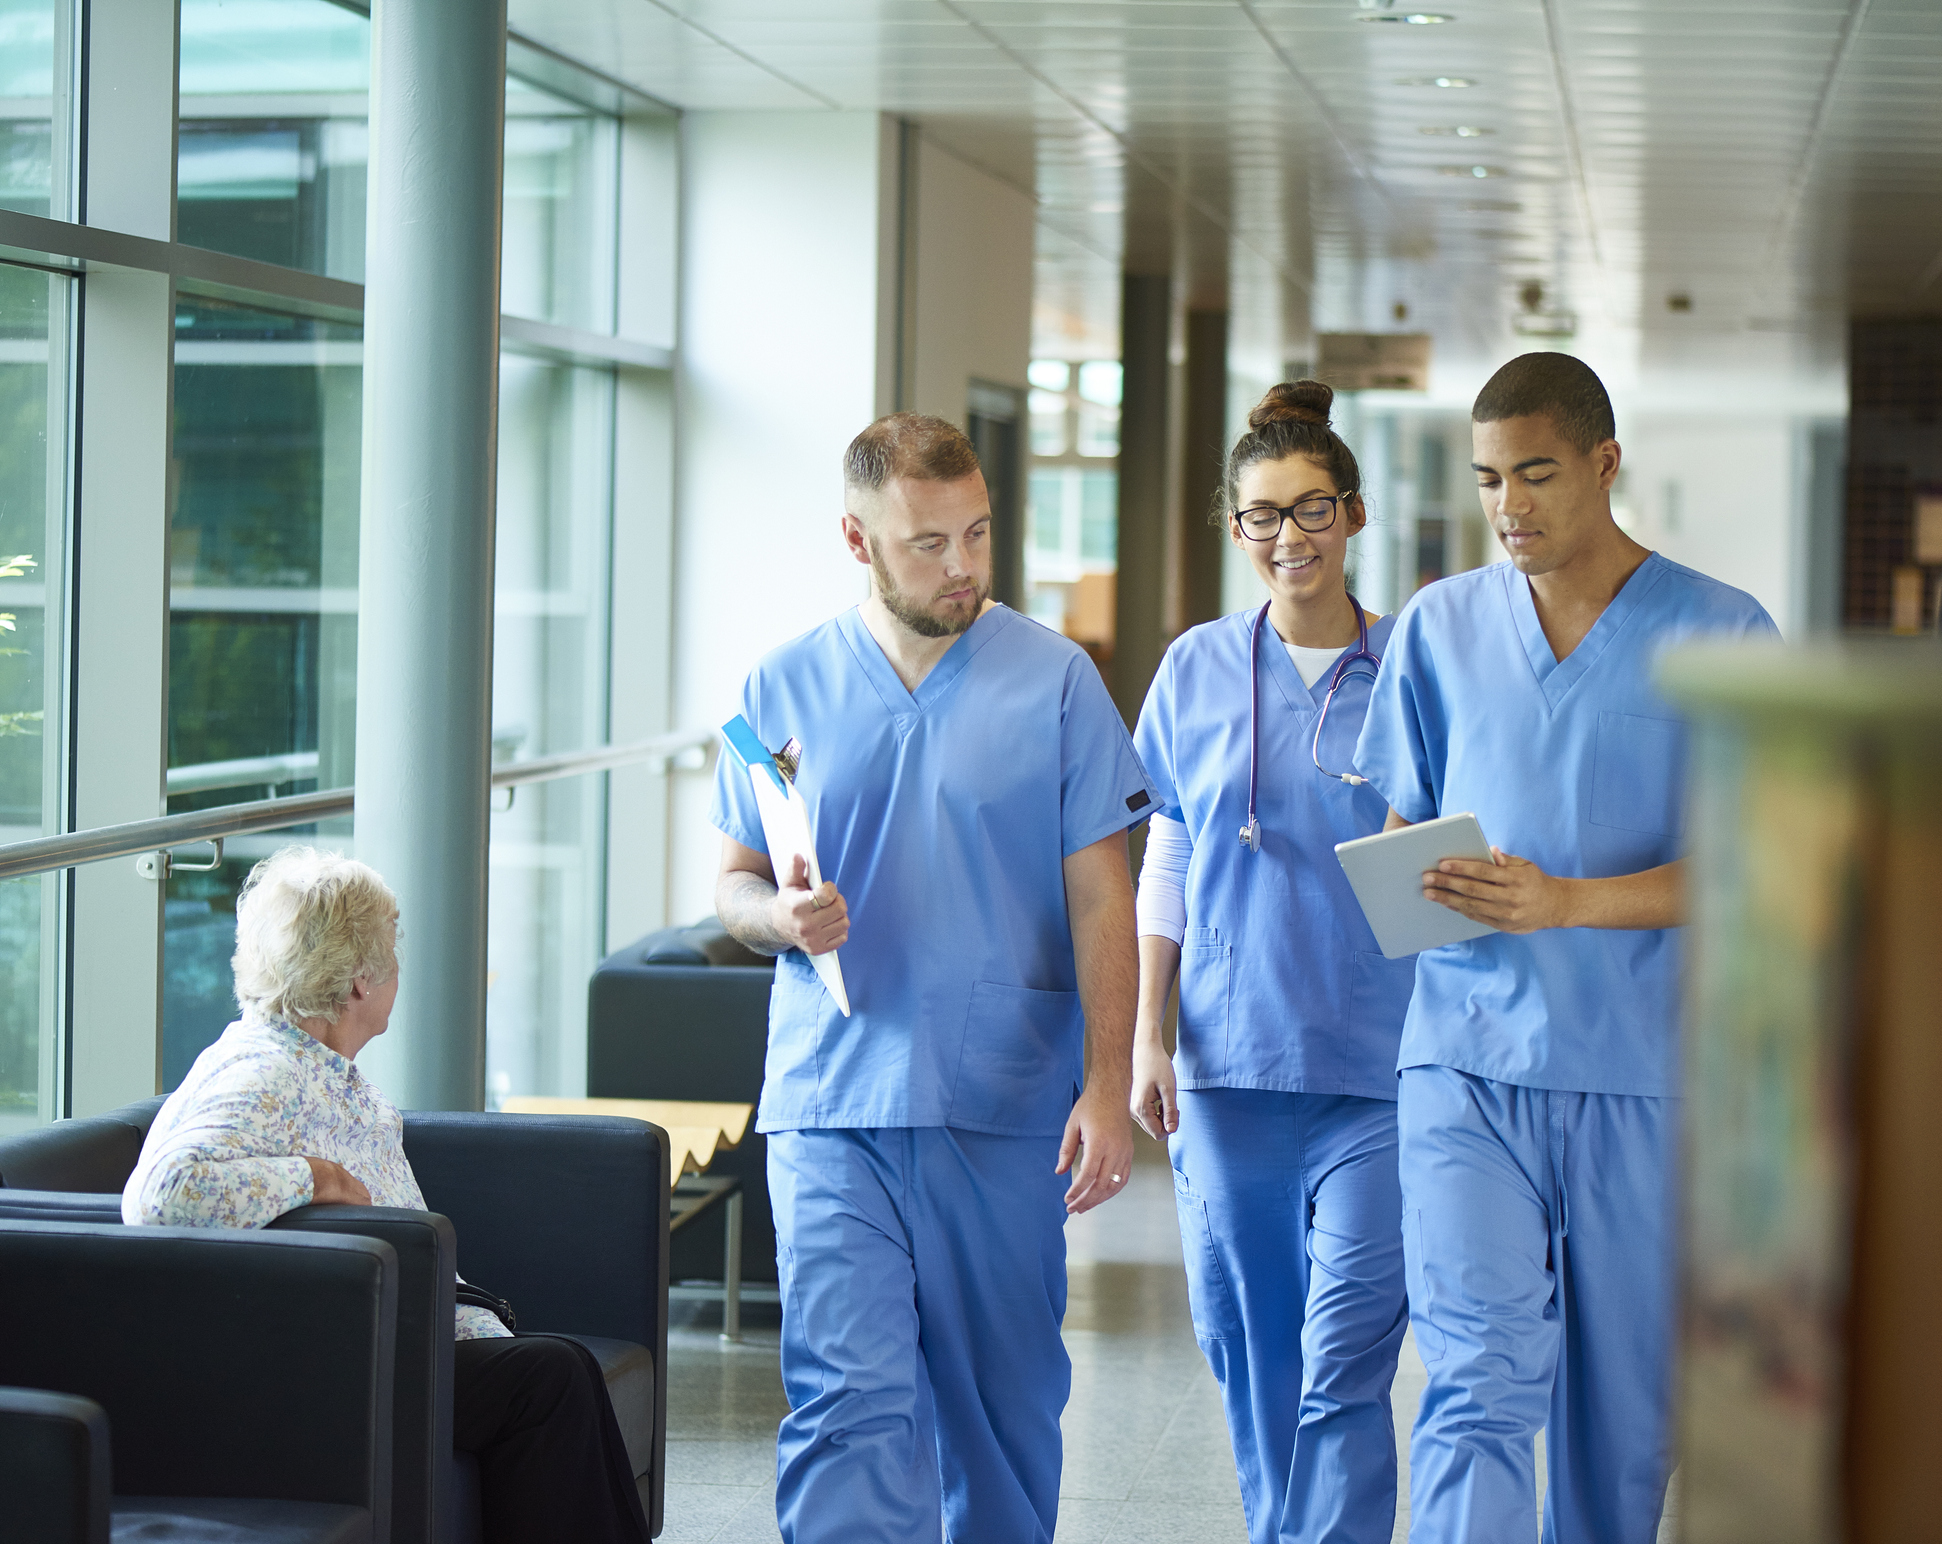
x: 1538, y: 1227
x: 1290, y: 1216
x: 923, y: 1286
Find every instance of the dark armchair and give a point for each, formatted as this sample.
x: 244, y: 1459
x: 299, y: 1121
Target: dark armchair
x: 684, y: 1014
x: 247, y: 1377
x: 566, y: 1217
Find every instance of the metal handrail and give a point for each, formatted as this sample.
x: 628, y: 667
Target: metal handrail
x: 244, y: 772
x: 136, y: 837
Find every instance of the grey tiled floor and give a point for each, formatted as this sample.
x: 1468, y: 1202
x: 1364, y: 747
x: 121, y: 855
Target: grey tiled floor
x: 1146, y: 1450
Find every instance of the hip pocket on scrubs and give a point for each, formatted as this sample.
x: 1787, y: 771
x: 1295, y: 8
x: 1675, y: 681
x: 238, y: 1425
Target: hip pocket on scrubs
x: 1206, y: 987
x: 1022, y: 1060
x: 1379, y: 993
x: 1635, y: 773
x: 1210, y: 1296
x: 789, y: 1070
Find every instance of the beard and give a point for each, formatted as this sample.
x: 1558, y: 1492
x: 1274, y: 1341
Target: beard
x: 924, y: 618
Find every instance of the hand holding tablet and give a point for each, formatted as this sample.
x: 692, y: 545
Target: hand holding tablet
x: 1386, y: 872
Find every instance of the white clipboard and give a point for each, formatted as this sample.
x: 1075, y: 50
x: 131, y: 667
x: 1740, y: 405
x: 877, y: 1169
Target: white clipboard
x: 785, y: 827
x: 1386, y: 872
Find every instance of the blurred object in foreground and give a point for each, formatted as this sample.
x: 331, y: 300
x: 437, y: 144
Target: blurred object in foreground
x: 1813, y: 1044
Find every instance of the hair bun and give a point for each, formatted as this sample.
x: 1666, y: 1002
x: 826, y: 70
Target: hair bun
x: 1302, y: 402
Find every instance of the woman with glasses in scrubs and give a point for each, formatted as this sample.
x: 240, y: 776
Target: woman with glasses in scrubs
x: 1279, y: 1108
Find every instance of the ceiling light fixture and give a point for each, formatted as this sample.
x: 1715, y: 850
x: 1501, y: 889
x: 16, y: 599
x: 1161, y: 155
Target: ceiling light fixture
x: 1471, y: 171
x: 1409, y: 18
x: 1445, y: 82
x: 1456, y: 131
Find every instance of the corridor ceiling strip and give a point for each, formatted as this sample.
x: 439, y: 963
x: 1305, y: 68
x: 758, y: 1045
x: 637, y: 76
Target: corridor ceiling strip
x: 1823, y: 107
x: 745, y: 56
x: 1568, y: 119
x: 1320, y: 102
x: 1133, y: 157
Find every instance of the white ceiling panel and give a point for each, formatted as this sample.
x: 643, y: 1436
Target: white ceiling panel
x: 1767, y: 165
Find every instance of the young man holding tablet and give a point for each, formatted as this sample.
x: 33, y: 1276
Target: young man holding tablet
x: 1539, y: 1071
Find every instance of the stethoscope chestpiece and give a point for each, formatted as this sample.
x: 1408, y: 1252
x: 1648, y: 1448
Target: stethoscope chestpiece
x: 1251, y: 834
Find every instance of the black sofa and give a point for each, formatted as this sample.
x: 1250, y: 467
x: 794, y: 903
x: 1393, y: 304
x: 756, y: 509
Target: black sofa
x: 565, y: 1216
x: 247, y: 1377
x: 684, y: 1014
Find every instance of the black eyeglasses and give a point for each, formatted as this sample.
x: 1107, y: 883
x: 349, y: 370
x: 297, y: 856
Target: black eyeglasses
x: 1263, y: 521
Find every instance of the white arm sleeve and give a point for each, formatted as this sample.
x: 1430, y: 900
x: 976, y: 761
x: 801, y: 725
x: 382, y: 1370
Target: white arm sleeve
x: 1162, y: 904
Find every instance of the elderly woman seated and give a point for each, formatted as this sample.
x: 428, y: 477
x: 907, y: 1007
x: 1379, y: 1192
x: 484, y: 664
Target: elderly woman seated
x: 275, y: 1115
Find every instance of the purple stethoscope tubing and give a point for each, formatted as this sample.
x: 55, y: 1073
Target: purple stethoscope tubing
x: 1251, y: 832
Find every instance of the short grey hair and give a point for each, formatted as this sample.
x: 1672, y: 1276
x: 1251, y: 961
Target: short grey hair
x: 309, y: 923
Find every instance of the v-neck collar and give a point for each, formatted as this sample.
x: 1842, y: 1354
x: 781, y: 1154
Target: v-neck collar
x: 1556, y: 677
x: 1299, y: 697
x: 904, y: 705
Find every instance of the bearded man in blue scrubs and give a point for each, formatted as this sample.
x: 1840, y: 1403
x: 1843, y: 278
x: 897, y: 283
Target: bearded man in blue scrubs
x: 970, y: 785
x: 1538, y: 1074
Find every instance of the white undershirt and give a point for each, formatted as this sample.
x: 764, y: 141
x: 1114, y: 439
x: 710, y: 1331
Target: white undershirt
x: 1161, y: 905
x: 1310, y: 663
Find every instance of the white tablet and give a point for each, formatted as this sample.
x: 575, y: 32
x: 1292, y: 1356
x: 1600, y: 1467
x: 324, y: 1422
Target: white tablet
x: 1386, y: 872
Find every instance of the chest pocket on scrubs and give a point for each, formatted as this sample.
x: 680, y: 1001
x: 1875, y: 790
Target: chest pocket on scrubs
x: 1635, y: 773
x: 1206, y: 987
x: 1023, y: 1057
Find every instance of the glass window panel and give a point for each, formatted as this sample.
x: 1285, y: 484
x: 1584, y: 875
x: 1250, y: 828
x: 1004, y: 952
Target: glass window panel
x: 1048, y: 423
x: 549, y: 695
x: 1047, y: 510
x: 272, y: 145
x: 557, y: 261
x: 33, y: 543
x: 29, y: 45
x: 1099, y: 519
x: 262, y: 612
x: 1099, y: 381
x: 1049, y: 374
x: 1098, y: 430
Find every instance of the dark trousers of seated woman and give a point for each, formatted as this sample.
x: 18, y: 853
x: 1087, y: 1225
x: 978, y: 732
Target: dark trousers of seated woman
x: 552, y: 1465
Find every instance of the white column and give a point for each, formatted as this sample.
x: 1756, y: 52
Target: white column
x: 431, y: 372
x: 120, y: 669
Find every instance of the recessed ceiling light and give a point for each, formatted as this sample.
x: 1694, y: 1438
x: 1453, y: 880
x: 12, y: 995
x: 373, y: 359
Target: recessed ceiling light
x: 1456, y: 131
x: 1471, y: 171
x: 1446, y: 82
x: 1410, y: 18
x: 1546, y: 324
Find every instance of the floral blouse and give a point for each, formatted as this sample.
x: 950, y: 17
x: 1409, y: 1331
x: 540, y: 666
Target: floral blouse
x: 227, y: 1149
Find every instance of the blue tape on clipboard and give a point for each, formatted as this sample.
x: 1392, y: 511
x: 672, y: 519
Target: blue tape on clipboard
x: 750, y: 750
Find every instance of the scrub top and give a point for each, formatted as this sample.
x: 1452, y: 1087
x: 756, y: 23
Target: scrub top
x: 1282, y: 985
x: 1577, y: 765
x: 943, y: 817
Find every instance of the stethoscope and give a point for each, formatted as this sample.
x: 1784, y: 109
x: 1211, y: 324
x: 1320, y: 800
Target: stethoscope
x: 1251, y: 832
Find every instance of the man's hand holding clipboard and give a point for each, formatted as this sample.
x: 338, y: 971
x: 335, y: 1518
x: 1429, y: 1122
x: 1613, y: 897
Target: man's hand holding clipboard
x: 816, y: 911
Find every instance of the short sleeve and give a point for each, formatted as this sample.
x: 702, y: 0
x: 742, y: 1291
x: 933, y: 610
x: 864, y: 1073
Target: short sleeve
x: 1102, y: 786
x: 1401, y: 751
x: 1153, y: 739
x: 731, y: 809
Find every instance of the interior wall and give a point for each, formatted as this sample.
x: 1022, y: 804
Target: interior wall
x: 787, y: 316
x: 832, y: 264
x: 1719, y: 495
x: 970, y: 316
